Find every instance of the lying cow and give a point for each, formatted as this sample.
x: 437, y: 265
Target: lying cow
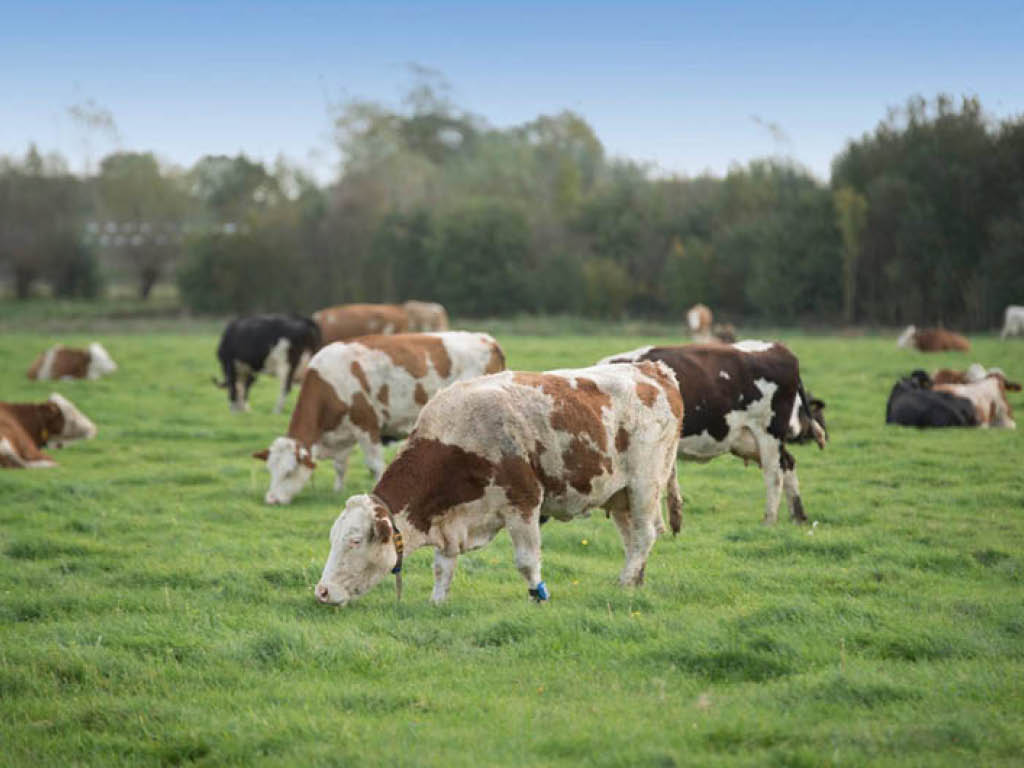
x: 913, y: 403
x: 1013, y: 322
x: 366, y: 392
x: 60, y: 362
x: 975, y: 372
x: 499, y: 451
x: 280, y: 345
x: 743, y: 399
x: 27, y: 428
x: 987, y: 397
x: 348, y: 321
x: 426, y: 316
x: 932, y: 340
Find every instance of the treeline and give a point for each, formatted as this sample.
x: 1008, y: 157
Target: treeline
x: 923, y: 222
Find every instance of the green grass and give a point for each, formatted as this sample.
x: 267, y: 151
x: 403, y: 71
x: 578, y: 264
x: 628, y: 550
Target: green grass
x: 154, y: 612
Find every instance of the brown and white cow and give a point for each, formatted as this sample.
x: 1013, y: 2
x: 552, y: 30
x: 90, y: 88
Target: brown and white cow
x: 426, y: 316
x: 988, y: 396
x: 27, y: 428
x: 348, y: 321
x: 932, y: 340
x: 365, y: 392
x: 498, y: 452
x: 974, y: 372
x: 60, y: 362
x: 743, y: 399
x: 698, y: 318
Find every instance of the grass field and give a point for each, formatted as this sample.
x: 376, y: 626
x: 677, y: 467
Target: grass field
x: 154, y: 612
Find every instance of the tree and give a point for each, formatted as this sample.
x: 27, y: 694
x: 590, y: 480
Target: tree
x: 851, y: 216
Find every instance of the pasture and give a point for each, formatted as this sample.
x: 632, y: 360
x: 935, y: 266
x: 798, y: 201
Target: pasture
x: 154, y: 611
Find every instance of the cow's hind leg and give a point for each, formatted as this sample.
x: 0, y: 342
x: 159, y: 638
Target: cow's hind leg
x: 644, y: 522
x: 770, y: 449
x: 524, y: 530
x: 444, y: 571
x: 791, y: 486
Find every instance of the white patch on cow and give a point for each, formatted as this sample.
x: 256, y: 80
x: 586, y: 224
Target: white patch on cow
x: 76, y: 425
x: 100, y: 362
x: 693, y: 319
x: 976, y: 372
x: 46, y: 369
x: 7, y: 451
x: 793, y: 428
x: 632, y: 356
x: 725, y: 375
x: 753, y: 345
x: 906, y: 339
x: 287, y: 474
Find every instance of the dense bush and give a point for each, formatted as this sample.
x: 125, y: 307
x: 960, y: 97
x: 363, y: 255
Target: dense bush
x: 232, y: 273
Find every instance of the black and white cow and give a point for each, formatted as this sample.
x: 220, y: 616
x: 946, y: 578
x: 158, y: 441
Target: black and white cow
x: 280, y: 345
x: 744, y: 399
x: 913, y: 403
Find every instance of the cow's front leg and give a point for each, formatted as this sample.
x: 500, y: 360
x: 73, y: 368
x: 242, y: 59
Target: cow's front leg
x: 444, y: 571
x: 770, y: 457
x: 374, y: 457
x: 286, y: 385
x: 340, y: 458
x: 791, y: 486
x: 525, y: 534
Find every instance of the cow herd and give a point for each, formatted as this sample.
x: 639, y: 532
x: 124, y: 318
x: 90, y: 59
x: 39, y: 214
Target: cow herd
x: 490, y: 449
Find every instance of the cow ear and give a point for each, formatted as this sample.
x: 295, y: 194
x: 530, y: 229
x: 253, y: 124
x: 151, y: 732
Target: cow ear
x: 382, y: 529
x: 818, y: 403
x: 261, y: 455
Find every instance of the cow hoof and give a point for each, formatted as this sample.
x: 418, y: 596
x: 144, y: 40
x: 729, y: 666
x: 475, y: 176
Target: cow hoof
x: 540, y: 593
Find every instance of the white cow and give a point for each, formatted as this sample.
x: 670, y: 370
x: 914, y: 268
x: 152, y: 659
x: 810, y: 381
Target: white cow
x: 500, y: 451
x: 1013, y: 323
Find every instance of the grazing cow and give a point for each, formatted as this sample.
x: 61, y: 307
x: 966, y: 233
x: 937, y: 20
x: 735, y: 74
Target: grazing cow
x: 348, y: 321
x: 369, y: 391
x: 913, y: 403
x: 987, y: 397
x: 60, y: 362
x: 743, y: 399
x: 497, y: 452
x: 276, y: 344
x: 1013, y: 322
x: 26, y: 428
x: 975, y: 372
x: 932, y: 340
x: 698, y: 318
x: 426, y: 316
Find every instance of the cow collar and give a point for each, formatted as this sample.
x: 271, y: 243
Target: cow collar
x: 399, y: 545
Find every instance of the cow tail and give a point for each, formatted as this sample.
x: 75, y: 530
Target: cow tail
x: 675, y: 499
x: 820, y: 434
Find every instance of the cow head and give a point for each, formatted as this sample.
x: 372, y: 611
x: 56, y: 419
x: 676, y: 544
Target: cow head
x: 66, y: 423
x: 804, y: 430
x: 362, y: 551
x: 290, y: 466
x: 906, y: 339
x: 100, y: 362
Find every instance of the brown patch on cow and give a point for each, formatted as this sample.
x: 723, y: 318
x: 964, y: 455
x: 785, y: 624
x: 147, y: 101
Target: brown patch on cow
x: 40, y: 421
x: 420, y: 394
x: 583, y: 464
x: 949, y: 376
x: 648, y: 393
x: 937, y: 339
x: 382, y: 394
x: 412, y: 351
x: 67, y: 361
x: 574, y: 410
x: 553, y: 486
x: 621, y: 440
x: 668, y: 385
x: 317, y: 410
x: 357, y: 371
x: 520, y: 484
x: 347, y: 321
x: 23, y: 443
x: 362, y: 415
x: 496, y: 362
x: 430, y: 477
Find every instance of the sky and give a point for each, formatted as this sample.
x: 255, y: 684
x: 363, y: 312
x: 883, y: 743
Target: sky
x: 687, y: 88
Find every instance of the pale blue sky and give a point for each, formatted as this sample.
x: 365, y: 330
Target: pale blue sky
x: 687, y: 87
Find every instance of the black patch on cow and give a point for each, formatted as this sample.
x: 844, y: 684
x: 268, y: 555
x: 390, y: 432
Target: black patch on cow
x: 913, y: 403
